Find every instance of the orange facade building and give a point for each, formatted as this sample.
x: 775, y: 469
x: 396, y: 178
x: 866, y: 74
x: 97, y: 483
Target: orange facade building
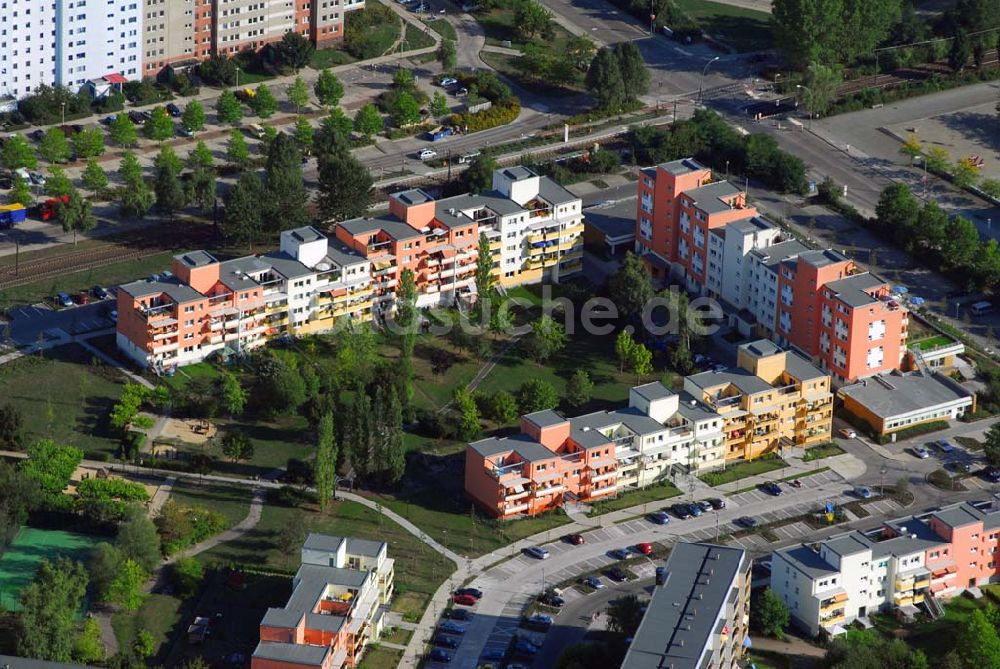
x: 704, y: 236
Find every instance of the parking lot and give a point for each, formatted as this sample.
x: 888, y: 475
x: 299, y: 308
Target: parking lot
x: 29, y: 323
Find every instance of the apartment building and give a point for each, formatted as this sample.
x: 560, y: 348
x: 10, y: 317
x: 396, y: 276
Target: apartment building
x: 774, y: 399
x: 204, y: 305
x: 340, y: 596
x: 705, y: 236
x: 699, y: 617
x: 905, y: 562
x: 67, y: 43
x: 187, y: 31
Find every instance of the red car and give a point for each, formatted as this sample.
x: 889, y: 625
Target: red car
x: 464, y: 600
x: 644, y: 548
x: 575, y: 539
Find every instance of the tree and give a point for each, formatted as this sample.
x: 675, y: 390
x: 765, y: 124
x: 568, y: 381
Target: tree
x: 345, y: 187
x: 187, y: 575
x: 635, y: 75
x: 294, y: 50
x: 298, y: 94
x: 126, y: 587
x: 531, y: 19
x: 964, y: 173
x: 237, y: 446
x: 625, y: 614
x: 54, y: 148
x: 57, y: 183
x: 77, y: 215
x: 484, y: 269
x: 234, y: 397
x: 218, y: 70
x: 326, y: 460
x: 11, y: 427
x: 624, y: 345
x: 579, y: 389
x: 991, y: 187
x: 20, y: 191
x: 193, y: 118
x: 912, y: 147
x: 807, y: 30
x: 290, y: 538
x: 961, y: 49
x: 17, y: 153
x: 897, y: 211
x: 367, y: 121
x: 49, y: 606
x: 237, y: 150
x: 503, y: 408
x: 138, y: 540
x: 263, y: 103
x: 103, y: 566
x: 129, y: 169
x: 170, y: 196
x: 630, y: 287
x: 280, y: 388
x: 405, y: 111
x: 242, y: 219
x: 548, y: 337
x: 820, y: 88
x: 335, y: 123
x: 439, y: 104
x: 641, y: 361
x: 144, y: 645
x: 991, y: 446
x: 94, y: 178
x: 160, y: 127
x: 88, y: 143
x: 978, y: 644
x: 868, y: 649
x: 579, y: 51
x: 468, y: 414
x: 303, y: 135
x: 136, y: 197
x: 88, y: 647
x: 228, y: 108
x: 200, y: 156
x: 604, y: 80
x: 403, y: 80
x: 328, y: 88
x: 447, y: 55
x: 286, y: 198
x: 937, y: 159
x: 536, y: 395
x: 961, y: 244
x: 769, y: 615
x: 478, y: 178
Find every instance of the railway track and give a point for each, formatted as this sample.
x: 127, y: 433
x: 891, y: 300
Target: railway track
x: 905, y: 75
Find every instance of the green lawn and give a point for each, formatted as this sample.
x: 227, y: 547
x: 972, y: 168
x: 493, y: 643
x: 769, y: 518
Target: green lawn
x: 158, y: 615
x: 380, y: 657
x: 504, y: 64
x: 443, y: 28
x: 418, y: 39
x: 231, y: 501
x: 17, y: 567
x: 821, y: 451
x: 653, y: 493
x: 419, y: 570
x: 932, y: 342
x: 499, y: 26
x: 65, y: 397
x: 74, y: 282
x: 742, y: 29
x: 742, y: 470
x: 324, y: 58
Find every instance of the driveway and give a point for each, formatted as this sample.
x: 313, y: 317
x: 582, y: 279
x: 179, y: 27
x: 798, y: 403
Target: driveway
x: 29, y: 322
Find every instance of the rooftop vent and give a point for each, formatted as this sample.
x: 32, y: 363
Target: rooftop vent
x: 323, y: 266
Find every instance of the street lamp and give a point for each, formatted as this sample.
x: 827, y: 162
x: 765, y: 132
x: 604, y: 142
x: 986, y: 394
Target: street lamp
x: 881, y: 482
x: 702, y: 81
x: 923, y: 159
x: 806, y: 88
x: 62, y: 109
x: 237, y: 76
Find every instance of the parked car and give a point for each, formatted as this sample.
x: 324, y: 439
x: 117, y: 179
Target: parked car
x: 472, y: 592
x: 863, y: 491
x: 992, y: 474
x: 717, y: 503
x: 445, y: 641
x: 921, y: 452
x: 618, y: 553
x: 959, y: 466
x: 645, y: 548
x: 492, y: 655
x: 694, y: 509
x: 537, y: 621
x: 451, y: 627
x: 108, y: 120
x: 594, y: 582
x: 945, y: 446
x: 101, y: 293
x: 465, y: 600
x: 617, y: 574
x: 36, y: 135
x: 113, y: 315
x: 525, y: 647
x: 705, y: 505
x: 81, y: 298
x: 661, y: 575
x: 746, y: 521
x: 439, y: 655
x: 448, y: 81
x: 462, y: 92
x: 174, y: 110
x: 136, y: 117
x: 575, y: 539
x: 537, y: 552
x: 552, y: 599
x: 682, y: 511
x: 458, y: 614
x: 184, y: 132
x: 427, y: 154
x: 848, y: 433
x: 64, y: 300
x: 771, y: 488
x: 37, y: 179
x: 659, y: 517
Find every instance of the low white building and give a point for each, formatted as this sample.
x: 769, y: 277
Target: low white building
x: 895, y: 401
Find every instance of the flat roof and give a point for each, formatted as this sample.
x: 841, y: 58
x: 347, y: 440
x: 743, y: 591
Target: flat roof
x: 342, y: 255
x: 694, y: 409
x: 614, y: 221
x: 544, y: 418
x: 682, y: 166
x: 653, y: 391
x: 412, y: 197
x: 517, y: 173
x: 747, y: 382
x: 894, y: 394
x: 708, y: 198
x: 683, y: 613
x: 522, y: 444
x: 286, y: 265
x: 807, y: 560
x: 800, y: 367
x: 553, y: 193
x: 236, y: 274
x: 752, y: 224
x: 762, y: 348
x: 851, y: 290
x: 780, y: 252
x: 178, y: 292
x: 292, y: 652
x: 822, y: 258
x: 196, y: 258
x: 389, y: 224
x: 331, y: 543
x: 306, y: 233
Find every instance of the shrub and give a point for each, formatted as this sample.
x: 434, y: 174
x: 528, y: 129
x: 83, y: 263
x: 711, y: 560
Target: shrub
x: 112, y: 489
x: 497, y: 115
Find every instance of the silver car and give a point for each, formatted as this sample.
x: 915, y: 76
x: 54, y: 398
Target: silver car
x: 537, y: 552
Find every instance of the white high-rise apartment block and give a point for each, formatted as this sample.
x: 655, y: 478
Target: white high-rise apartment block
x: 67, y: 43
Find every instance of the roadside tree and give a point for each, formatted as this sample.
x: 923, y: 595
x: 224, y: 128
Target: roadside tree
x: 77, y: 215
x: 160, y: 127
x: 57, y: 183
x: 54, y: 148
x: 193, y: 118
x: 228, y: 108
x: 237, y: 150
x: 123, y: 131
x: 88, y: 143
x: 17, y: 153
x: 579, y: 389
x: 368, y: 121
x: 328, y: 88
x: 263, y: 103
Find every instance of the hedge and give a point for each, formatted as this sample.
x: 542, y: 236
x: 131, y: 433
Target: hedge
x: 914, y: 431
x: 499, y: 114
x: 112, y: 489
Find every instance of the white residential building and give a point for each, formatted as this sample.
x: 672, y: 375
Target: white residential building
x: 67, y: 43
x: 729, y: 268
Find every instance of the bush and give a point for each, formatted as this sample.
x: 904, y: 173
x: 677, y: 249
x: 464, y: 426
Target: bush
x: 916, y: 430
x: 187, y: 575
x: 105, y: 489
x: 497, y: 115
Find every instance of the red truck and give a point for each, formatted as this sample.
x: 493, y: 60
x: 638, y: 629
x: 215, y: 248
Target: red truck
x: 49, y: 209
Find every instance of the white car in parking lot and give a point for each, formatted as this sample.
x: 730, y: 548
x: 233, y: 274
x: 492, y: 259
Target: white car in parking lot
x: 427, y: 154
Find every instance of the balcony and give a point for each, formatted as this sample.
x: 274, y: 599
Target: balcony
x: 549, y: 490
x: 514, y: 508
x: 603, y: 477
